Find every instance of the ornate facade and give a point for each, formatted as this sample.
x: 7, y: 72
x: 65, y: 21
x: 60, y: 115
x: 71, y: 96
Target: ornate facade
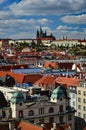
x: 56, y: 111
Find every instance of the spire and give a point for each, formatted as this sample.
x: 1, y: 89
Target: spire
x: 37, y: 34
x: 41, y: 32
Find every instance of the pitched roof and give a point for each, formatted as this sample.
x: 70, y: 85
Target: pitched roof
x: 26, y: 126
x: 68, y: 81
x: 22, y: 78
x: 50, y: 64
x: 47, y: 80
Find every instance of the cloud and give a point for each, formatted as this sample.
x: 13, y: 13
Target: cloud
x: 21, y: 18
x: 78, y: 19
x: 61, y: 27
x: 10, y: 27
x: 23, y: 22
x: 5, y: 14
x: 2, y: 1
x: 84, y: 29
x: 73, y: 34
x: 44, y: 21
x: 47, y: 7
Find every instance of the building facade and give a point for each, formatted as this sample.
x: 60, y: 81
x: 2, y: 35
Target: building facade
x: 81, y: 100
x: 41, y: 111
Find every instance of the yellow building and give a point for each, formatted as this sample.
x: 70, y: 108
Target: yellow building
x: 81, y: 100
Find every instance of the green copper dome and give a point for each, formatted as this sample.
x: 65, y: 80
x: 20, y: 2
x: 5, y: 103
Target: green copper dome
x: 17, y: 97
x: 57, y: 93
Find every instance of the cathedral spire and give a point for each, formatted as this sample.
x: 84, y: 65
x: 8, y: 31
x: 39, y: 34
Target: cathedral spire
x: 41, y: 32
x: 37, y: 34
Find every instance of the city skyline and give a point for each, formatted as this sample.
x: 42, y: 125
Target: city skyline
x: 21, y: 18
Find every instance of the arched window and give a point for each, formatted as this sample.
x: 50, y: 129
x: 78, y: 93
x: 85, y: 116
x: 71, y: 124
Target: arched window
x: 31, y: 113
x: 51, y: 110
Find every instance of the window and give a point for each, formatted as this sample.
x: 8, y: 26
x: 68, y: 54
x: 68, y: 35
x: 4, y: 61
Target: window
x: 79, y: 99
x: 84, y: 115
x: 51, y: 110
x: 69, y: 117
x: 84, y: 93
x: 81, y: 84
x: 79, y: 92
x: 60, y: 99
x: 79, y: 114
x: 73, y: 95
x: 61, y: 108
x: 84, y: 108
x: 74, y: 103
x: 84, y: 100
x: 20, y: 104
x: 20, y: 113
x: 31, y: 113
x: 51, y: 120
x: 79, y: 106
x: 41, y: 110
x: 73, y: 88
x: 61, y: 119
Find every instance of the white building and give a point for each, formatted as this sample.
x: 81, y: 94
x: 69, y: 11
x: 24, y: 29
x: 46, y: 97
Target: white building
x: 65, y: 42
x: 43, y: 110
x: 72, y: 91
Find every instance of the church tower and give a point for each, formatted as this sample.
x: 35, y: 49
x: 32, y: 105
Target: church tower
x: 17, y: 105
x: 37, y: 34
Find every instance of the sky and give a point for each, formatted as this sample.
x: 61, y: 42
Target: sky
x: 20, y: 19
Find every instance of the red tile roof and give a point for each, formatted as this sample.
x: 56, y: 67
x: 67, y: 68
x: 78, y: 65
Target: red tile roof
x: 46, y: 80
x: 84, y: 128
x: 27, y: 126
x: 51, y: 64
x: 22, y: 78
x: 68, y: 81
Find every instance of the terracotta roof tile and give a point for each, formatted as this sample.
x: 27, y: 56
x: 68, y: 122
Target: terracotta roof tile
x: 46, y: 80
x: 84, y: 128
x: 68, y: 81
x: 22, y: 78
x: 27, y: 126
x: 50, y: 64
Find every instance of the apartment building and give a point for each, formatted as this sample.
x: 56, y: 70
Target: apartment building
x: 81, y: 100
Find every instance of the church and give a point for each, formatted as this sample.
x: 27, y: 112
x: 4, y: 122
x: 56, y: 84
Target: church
x: 44, y: 37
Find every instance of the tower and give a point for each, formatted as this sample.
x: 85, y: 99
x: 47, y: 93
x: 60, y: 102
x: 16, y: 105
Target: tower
x: 17, y: 105
x: 41, y: 32
x: 37, y: 34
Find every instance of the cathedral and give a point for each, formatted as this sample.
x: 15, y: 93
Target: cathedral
x: 43, y: 35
